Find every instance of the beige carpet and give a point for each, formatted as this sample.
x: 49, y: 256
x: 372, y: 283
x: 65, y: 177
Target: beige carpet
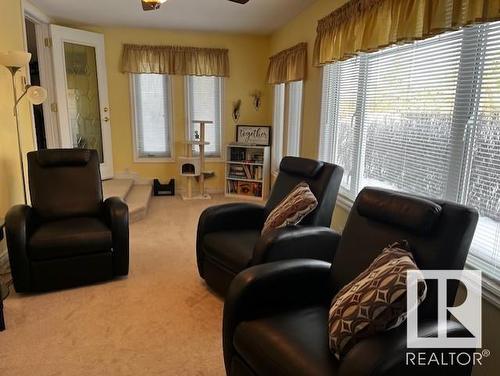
x: 161, y: 320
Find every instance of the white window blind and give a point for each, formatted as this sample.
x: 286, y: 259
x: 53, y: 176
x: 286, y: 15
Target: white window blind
x: 152, y: 126
x: 340, y: 125
x: 204, y: 99
x: 294, y: 118
x: 278, y: 125
x: 423, y: 118
x: 287, y: 121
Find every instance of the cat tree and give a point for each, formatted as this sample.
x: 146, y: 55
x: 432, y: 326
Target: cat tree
x: 193, y: 167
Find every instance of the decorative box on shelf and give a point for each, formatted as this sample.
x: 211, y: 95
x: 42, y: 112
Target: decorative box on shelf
x: 248, y: 171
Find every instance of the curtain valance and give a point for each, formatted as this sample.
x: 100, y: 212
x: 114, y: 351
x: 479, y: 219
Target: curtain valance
x: 368, y: 25
x: 175, y: 60
x: 288, y: 65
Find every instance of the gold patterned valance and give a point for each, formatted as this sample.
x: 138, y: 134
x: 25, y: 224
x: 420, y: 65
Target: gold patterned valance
x: 175, y: 60
x: 368, y: 25
x: 288, y: 65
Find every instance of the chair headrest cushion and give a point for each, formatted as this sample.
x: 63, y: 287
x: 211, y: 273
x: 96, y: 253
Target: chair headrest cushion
x: 63, y: 157
x: 307, y: 168
x: 412, y: 213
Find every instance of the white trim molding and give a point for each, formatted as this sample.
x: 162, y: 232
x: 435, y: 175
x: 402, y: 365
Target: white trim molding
x: 35, y: 13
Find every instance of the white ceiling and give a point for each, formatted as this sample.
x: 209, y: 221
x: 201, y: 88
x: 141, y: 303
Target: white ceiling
x: 256, y: 17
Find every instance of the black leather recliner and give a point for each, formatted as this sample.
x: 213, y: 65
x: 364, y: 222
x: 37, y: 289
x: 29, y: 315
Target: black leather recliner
x: 276, y: 315
x: 69, y: 236
x: 229, y: 239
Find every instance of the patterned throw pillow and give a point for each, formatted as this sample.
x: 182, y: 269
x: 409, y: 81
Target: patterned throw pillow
x: 374, y: 301
x: 292, y: 209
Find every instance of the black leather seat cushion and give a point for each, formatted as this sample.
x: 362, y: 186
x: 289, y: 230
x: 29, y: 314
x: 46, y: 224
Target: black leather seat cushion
x: 232, y: 249
x: 290, y: 343
x: 69, y: 237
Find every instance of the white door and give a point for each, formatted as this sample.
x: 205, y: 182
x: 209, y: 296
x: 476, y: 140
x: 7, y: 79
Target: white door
x: 82, y: 92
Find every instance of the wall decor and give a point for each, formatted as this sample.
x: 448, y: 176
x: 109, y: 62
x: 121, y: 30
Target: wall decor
x: 257, y: 99
x: 236, y: 110
x: 253, y: 135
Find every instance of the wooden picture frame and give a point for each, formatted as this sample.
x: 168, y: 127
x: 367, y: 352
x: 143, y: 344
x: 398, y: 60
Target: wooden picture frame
x: 259, y: 135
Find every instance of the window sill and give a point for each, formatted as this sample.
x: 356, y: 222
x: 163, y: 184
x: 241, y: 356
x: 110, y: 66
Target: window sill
x: 154, y: 160
x: 344, y: 202
x: 491, y: 286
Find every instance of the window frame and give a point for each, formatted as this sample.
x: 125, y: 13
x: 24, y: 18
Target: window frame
x: 456, y: 189
x: 187, y: 102
x: 289, y: 108
x: 282, y: 140
x: 133, y: 103
x: 279, y: 120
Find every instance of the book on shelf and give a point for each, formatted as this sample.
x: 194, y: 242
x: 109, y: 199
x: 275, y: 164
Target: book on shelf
x: 245, y: 188
x: 246, y: 172
x: 248, y: 155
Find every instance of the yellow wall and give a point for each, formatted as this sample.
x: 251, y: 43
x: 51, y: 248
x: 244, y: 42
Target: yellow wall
x: 248, y: 57
x: 248, y: 63
x: 11, y: 38
x: 303, y: 29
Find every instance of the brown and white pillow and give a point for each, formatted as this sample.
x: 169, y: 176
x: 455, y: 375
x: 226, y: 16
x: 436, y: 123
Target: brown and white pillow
x: 292, y: 209
x: 375, y: 301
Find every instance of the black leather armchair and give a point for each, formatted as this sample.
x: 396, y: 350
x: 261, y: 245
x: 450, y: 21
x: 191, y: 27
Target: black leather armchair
x: 229, y: 239
x: 69, y: 236
x: 276, y: 315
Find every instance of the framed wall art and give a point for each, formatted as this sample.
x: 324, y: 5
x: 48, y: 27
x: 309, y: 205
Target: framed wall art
x: 254, y: 135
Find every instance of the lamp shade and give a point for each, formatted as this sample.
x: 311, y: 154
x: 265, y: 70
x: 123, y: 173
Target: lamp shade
x: 15, y: 59
x: 36, y: 94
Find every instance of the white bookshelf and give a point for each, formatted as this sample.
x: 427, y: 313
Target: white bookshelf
x: 248, y: 171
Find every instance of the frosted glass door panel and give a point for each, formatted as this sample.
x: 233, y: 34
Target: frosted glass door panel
x: 83, y: 97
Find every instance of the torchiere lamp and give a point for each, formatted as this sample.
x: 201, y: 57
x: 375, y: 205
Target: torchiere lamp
x: 14, y: 61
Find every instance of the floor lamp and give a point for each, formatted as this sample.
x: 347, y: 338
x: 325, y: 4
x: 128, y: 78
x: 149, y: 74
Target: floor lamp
x: 14, y: 61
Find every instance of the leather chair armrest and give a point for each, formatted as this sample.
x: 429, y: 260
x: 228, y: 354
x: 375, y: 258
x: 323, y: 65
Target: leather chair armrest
x: 235, y: 216
x: 117, y: 218
x: 231, y: 217
x: 292, y: 242
x: 387, y: 354
x: 19, y: 225
x: 273, y: 286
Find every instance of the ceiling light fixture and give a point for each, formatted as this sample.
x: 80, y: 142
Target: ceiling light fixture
x: 155, y: 4
x: 152, y: 4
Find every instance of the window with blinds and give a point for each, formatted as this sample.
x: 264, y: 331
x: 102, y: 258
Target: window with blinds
x: 287, y: 120
x: 423, y: 118
x: 294, y: 118
x: 152, y: 121
x: 278, y: 126
x: 204, y: 102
